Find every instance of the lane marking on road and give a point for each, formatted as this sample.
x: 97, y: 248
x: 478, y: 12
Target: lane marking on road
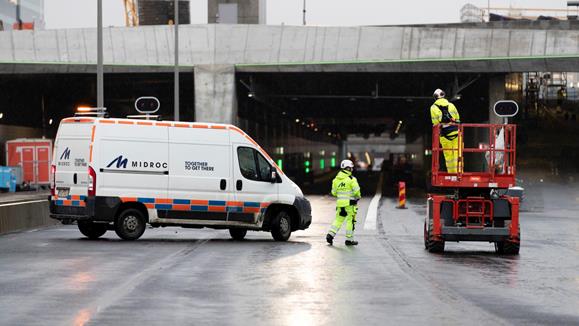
x: 372, y: 214
x: 24, y: 202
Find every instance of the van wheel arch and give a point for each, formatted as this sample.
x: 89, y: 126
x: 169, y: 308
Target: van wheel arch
x: 135, y: 205
x: 274, y: 209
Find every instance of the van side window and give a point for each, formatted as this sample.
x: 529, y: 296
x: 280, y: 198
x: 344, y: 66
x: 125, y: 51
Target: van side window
x: 246, y: 158
x: 264, y: 168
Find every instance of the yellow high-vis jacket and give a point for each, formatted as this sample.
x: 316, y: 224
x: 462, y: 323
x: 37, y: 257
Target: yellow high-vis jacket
x: 444, y: 112
x: 345, y: 187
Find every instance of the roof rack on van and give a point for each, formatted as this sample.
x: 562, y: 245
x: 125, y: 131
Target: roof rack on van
x: 145, y: 117
x: 92, y: 112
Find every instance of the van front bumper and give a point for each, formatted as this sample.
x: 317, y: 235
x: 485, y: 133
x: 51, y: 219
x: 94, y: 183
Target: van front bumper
x: 305, y: 211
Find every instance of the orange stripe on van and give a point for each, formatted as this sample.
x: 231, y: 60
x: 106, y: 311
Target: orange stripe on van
x: 92, y: 134
x: 144, y: 123
x: 125, y: 122
x: 216, y: 208
x: 163, y: 201
x: 163, y: 124
x: 251, y: 140
x: 200, y: 126
x: 235, y: 203
x: 67, y: 202
x: 218, y: 127
x: 90, y: 154
x: 128, y: 199
x: 150, y: 205
x: 182, y: 125
x: 237, y: 129
x: 181, y: 207
x: 75, y: 197
x: 199, y: 202
x: 251, y: 209
x: 108, y: 121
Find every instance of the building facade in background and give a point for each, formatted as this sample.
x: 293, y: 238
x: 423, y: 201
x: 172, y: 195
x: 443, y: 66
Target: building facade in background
x: 156, y: 12
x: 236, y: 12
x: 21, y: 14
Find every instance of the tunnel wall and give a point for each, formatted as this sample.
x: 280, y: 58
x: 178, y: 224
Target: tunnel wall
x: 215, y: 94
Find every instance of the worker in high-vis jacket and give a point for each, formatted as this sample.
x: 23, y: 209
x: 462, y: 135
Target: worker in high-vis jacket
x: 445, y: 113
x: 347, y: 191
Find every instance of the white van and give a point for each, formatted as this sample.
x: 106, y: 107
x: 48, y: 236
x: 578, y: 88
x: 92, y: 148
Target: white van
x: 124, y: 173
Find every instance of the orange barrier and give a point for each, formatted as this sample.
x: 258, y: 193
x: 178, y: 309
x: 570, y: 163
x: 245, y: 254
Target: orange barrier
x: 401, y: 195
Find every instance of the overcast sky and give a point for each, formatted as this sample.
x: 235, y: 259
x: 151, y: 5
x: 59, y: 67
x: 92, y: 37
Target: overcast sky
x: 82, y: 13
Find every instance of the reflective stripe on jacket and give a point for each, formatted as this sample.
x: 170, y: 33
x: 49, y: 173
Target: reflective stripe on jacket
x: 345, y: 188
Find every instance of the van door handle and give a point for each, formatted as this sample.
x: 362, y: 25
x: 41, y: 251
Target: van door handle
x: 223, y: 184
x: 239, y: 185
x: 74, y: 178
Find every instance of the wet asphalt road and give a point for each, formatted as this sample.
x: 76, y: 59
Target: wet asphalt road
x: 180, y: 276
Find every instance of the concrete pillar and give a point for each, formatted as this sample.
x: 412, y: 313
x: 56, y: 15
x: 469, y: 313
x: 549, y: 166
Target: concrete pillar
x: 497, y: 92
x: 215, y: 94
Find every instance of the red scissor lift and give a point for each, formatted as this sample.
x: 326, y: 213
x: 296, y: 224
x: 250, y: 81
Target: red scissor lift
x: 478, y: 208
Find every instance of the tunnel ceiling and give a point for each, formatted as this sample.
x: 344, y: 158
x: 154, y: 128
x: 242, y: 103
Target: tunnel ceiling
x: 358, y: 103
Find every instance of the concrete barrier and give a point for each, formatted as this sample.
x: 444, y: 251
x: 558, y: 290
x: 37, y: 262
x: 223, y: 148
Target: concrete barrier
x: 25, y: 214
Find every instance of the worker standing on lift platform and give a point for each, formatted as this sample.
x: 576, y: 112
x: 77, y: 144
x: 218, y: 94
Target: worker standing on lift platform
x: 445, y: 113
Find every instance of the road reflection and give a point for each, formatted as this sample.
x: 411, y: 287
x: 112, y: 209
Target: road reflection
x: 82, y: 318
x: 81, y: 280
x: 491, y: 267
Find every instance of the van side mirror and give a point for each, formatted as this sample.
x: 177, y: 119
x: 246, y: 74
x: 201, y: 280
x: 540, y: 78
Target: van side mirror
x: 273, y: 175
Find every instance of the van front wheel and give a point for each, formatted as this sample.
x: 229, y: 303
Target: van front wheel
x: 92, y: 230
x: 130, y: 225
x: 281, y: 228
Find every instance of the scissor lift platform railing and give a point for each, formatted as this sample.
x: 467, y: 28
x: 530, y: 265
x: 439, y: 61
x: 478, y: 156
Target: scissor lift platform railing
x: 499, y: 173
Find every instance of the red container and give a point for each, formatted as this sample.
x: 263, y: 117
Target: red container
x: 33, y: 156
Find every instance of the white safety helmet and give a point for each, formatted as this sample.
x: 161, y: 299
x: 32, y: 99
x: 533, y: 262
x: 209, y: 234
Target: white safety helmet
x: 347, y: 164
x: 438, y: 93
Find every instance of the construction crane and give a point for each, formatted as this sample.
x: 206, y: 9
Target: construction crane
x: 131, y: 17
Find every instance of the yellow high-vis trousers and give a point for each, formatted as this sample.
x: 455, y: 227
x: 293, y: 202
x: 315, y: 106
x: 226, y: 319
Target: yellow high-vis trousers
x: 451, y: 153
x: 350, y: 219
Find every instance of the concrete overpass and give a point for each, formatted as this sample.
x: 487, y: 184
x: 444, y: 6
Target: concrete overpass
x: 216, y: 52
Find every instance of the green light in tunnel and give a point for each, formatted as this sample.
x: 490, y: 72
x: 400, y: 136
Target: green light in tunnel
x: 322, y: 164
x: 307, y: 163
x: 307, y: 170
x: 280, y: 164
x: 333, y: 162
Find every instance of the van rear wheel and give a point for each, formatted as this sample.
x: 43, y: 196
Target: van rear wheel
x: 130, y: 224
x: 281, y: 228
x: 237, y: 234
x: 92, y: 230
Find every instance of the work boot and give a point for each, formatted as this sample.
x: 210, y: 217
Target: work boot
x: 351, y: 243
x: 330, y: 239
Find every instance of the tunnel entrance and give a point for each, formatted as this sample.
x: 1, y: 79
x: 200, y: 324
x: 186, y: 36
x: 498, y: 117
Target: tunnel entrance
x: 311, y: 121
